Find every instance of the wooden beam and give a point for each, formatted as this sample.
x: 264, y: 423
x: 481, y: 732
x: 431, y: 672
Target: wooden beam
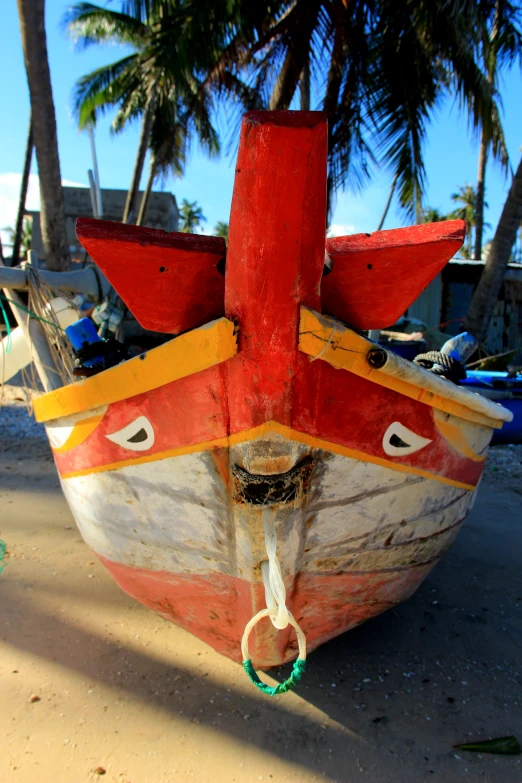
x: 376, y: 277
x: 169, y: 281
x: 85, y: 281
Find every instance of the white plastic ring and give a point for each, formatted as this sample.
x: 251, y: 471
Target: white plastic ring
x: 272, y: 612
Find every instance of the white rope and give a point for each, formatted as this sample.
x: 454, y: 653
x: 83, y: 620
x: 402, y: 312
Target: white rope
x: 275, y: 591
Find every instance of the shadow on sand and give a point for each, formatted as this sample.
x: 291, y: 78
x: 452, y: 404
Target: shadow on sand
x: 392, y: 695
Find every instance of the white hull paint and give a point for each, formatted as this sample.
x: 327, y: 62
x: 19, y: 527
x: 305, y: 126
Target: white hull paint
x: 173, y: 515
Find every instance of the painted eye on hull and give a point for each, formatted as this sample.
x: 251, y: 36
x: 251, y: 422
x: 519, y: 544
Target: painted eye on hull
x: 399, y: 441
x: 136, y: 436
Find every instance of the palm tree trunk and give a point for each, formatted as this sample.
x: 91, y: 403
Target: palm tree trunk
x: 485, y: 141
x: 286, y: 84
x: 305, y: 87
x: 388, y: 203
x: 481, y: 189
x: 333, y: 87
x: 131, y: 205
x: 146, y: 194
x: 488, y: 289
x: 52, y: 213
x: 297, y: 55
x: 15, y: 255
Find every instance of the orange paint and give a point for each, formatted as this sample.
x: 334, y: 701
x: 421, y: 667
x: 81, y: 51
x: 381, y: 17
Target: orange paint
x: 216, y: 607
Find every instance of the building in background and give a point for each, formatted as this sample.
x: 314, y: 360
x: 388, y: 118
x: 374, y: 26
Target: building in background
x: 445, y: 303
x: 162, y: 213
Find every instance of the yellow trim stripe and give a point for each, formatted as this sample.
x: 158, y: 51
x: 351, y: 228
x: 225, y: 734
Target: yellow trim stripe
x: 182, y: 356
x: 323, y: 338
x: 454, y: 434
x: 265, y: 429
x: 79, y: 433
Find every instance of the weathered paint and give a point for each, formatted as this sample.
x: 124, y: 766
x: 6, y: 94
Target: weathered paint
x: 217, y: 608
x: 323, y: 338
x: 188, y: 354
x: 165, y: 486
x: 360, y: 540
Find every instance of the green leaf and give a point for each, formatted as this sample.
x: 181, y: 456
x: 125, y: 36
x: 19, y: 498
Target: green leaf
x: 508, y: 746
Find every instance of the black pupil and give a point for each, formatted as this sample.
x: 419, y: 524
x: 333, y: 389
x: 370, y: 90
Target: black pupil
x: 140, y: 436
x: 398, y: 443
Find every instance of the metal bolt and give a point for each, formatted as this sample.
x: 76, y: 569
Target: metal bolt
x: 377, y: 358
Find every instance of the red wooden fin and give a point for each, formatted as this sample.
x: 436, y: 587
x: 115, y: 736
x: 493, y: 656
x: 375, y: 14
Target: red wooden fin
x: 275, y: 254
x: 376, y: 277
x: 169, y: 282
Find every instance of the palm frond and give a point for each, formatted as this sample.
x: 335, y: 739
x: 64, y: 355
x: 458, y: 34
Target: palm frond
x: 101, y: 89
x: 88, y: 24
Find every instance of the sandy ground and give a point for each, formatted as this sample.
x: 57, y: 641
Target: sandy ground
x: 92, y: 681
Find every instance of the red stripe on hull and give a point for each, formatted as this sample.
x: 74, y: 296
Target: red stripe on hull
x: 216, y: 607
x: 333, y: 405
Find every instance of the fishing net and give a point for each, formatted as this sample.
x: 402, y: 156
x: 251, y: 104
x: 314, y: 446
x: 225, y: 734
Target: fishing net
x: 40, y: 294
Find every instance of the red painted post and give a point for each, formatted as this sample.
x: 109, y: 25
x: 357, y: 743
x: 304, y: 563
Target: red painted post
x: 275, y: 256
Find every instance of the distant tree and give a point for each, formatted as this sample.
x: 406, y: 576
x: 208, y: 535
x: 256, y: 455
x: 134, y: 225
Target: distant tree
x: 432, y: 215
x: 221, y: 229
x: 486, y: 250
x: 191, y: 216
x: 26, y: 237
x: 467, y: 197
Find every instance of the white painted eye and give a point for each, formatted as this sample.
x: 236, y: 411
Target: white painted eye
x: 136, y: 436
x: 399, y: 441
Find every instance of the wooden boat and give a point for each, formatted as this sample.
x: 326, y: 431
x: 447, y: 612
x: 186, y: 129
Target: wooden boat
x: 267, y: 417
x: 505, y: 389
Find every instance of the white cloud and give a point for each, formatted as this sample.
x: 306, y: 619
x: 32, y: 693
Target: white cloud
x: 340, y: 230
x: 10, y: 193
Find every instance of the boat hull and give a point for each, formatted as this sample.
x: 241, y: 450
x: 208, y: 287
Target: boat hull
x: 505, y: 390
x: 357, y: 540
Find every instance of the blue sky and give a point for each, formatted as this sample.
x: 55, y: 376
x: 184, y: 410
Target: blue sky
x: 451, y: 151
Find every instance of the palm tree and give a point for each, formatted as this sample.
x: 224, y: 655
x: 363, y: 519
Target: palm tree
x: 25, y: 239
x: 171, y: 130
x: 52, y: 214
x: 466, y: 196
x: 158, y: 82
x: 221, y: 229
x: 490, y: 283
x: 501, y: 47
x: 18, y: 232
x: 432, y: 215
x: 388, y: 203
x: 191, y: 216
x: 379, y: 70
